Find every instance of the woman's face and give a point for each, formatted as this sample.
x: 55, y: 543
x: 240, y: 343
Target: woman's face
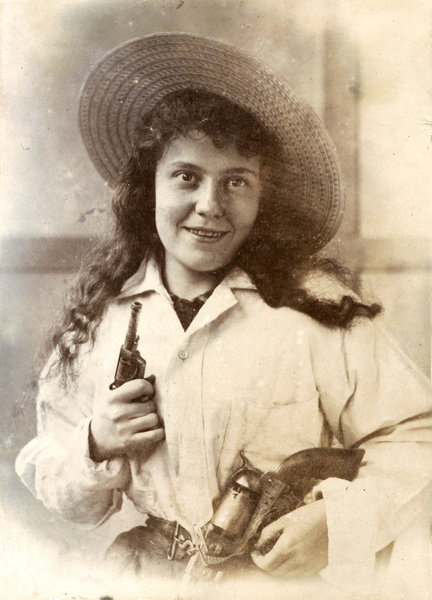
x: 206, y: 204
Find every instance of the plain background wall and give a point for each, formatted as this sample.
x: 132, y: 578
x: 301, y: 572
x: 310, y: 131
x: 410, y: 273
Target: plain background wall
x: 365, y: 68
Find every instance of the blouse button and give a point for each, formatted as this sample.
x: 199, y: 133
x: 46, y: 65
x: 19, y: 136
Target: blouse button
x: 183, y: 354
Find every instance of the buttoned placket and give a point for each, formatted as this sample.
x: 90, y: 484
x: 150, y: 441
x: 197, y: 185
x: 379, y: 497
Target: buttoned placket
x: 187, y: 445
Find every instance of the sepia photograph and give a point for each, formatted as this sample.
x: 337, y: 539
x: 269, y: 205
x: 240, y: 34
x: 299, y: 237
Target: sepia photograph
x: 216, y: 256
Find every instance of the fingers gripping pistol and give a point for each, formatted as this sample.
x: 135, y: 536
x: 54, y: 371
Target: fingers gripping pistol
x: 130, y: 364
x: 254, y: 499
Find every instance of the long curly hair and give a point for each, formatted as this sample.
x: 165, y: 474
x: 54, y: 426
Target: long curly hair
x: 278, y: 267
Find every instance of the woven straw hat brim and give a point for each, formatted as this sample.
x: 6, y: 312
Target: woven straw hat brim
x: 131, y: 79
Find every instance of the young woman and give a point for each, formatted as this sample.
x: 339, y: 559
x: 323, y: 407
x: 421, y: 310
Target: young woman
x: 227, y: 186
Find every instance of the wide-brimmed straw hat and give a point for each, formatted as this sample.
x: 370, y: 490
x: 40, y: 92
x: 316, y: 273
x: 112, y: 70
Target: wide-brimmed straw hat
x: 131, y: 79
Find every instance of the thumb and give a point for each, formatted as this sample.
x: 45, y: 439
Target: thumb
x: 151, y: 379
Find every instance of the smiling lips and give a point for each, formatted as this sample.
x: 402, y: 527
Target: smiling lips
x: 206, y: 233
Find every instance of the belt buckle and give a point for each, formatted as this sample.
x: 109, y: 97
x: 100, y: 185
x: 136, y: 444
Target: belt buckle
x: 179, y: 541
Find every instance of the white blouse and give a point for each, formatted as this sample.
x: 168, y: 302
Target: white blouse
x: 243, y: 377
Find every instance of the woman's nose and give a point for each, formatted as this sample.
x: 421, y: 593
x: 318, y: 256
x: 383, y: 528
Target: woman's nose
x: 210, y: 201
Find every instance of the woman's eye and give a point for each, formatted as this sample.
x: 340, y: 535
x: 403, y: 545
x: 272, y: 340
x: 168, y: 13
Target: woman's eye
x: 236, y: 182
x: 185, y: 176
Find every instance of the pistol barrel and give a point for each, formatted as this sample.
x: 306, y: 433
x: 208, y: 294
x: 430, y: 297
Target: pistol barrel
x: 133, y: 325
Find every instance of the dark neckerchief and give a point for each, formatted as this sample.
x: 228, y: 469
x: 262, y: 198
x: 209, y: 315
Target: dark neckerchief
x: 187, y: 309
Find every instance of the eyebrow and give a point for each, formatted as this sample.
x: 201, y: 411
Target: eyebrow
x: 184, y: 165
x: 242, y: 170
x: 234, y: 171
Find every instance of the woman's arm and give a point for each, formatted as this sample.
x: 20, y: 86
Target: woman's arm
x: 389, y: 414
x: 372, y: 396
x: 57, y: 465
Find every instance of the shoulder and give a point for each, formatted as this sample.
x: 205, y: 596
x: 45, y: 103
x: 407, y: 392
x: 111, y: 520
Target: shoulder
x: 286, y: 323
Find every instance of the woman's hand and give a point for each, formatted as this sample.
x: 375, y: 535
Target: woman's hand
x: 125, y: 421
x: 301, y: 548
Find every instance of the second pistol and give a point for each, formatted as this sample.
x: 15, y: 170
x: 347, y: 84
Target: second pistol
x: 130, y: 364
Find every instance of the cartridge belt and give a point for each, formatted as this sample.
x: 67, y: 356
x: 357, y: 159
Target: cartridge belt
x: 157, y: 537
x: 175, y: 541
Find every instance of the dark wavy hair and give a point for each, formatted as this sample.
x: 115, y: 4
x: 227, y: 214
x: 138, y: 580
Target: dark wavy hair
x: 278, y: 267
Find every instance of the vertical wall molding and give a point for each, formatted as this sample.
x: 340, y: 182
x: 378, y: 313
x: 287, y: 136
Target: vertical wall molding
x: 342, y: 90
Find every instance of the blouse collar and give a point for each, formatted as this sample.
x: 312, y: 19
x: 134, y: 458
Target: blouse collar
x: 148, y: 278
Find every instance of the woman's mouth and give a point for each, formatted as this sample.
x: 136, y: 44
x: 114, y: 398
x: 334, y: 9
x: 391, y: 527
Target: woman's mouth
x: 206, y: 234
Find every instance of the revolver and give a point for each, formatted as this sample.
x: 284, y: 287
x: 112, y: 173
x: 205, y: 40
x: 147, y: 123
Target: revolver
x: 252, y: 500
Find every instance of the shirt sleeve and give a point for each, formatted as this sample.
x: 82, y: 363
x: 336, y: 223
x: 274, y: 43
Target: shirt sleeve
x: 56, y: 465
x: 374, y: 397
